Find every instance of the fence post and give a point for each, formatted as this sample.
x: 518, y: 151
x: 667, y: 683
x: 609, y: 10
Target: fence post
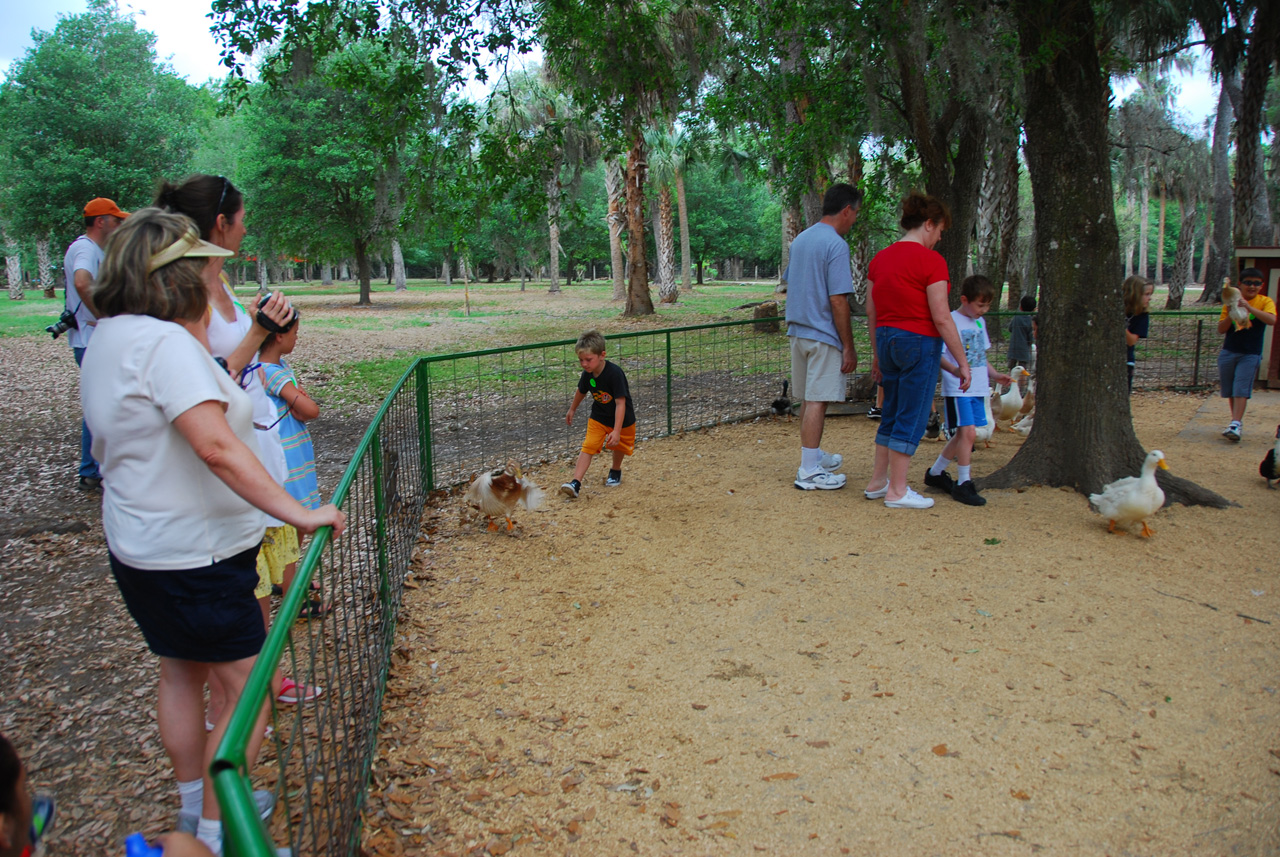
x: 1195, y: 374
x: 669, y: 420
x: 380, y: 515
x: 423, y: 402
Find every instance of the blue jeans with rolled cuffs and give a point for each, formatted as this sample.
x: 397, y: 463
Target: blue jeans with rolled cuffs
x: 909, y: 364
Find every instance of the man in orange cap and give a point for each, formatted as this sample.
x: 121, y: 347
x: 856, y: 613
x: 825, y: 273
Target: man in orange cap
x: 101, y: 217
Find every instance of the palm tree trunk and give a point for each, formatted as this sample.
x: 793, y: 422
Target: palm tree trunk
x: 1182, y: 259
x: 553, y: 228
x: 682, y: 204
x: 639, y: 301
x: 45, y: 267
x: 668, y: 288
x: 1160, y: 235
x: 13, y: 268
x: 1144, y: 228
x: 615, y: 219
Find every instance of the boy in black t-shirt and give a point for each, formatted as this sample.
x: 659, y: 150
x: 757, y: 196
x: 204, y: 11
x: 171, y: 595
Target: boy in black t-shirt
x: 613, y: 417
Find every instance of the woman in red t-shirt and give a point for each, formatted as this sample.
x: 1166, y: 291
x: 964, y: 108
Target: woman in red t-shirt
x: 908, y: 318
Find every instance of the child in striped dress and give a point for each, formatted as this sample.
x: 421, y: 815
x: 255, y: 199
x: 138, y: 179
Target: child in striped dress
x: 294, y: 409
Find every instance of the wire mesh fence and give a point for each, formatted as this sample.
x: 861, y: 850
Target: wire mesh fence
x: 1180, y: 351
x: 487, y: 406
x: 448, y: 418
x: 319, y: 751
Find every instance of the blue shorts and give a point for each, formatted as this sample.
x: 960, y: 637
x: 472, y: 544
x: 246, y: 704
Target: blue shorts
x: 909, y: 363
x: 965, y: 411
x: 1236, y: 373
x: 207, y: 615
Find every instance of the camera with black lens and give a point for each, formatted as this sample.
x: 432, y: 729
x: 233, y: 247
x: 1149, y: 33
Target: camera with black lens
x: 66, y: 321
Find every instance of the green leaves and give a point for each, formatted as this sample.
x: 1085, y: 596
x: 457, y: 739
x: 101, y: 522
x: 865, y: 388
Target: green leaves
x: 88, y: 112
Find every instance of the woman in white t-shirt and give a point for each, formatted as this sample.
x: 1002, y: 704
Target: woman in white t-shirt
x: 183, y: 485
x: 235, y: 335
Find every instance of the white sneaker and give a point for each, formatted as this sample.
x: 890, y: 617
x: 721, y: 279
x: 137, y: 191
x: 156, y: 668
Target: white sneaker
x: 1233, y: 431
x: 831, y: 461
x: 819, y: 479
x: 910, y: 500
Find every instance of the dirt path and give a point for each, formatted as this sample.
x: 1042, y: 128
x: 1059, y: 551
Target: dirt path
x: 706, y: 661
x: 680, y: 630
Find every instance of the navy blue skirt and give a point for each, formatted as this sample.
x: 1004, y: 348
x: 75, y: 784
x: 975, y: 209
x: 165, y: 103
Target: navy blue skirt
x: 207, y: 615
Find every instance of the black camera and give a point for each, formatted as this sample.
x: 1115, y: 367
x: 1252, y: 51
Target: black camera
x: 66, y: 321
x: 265, y: 321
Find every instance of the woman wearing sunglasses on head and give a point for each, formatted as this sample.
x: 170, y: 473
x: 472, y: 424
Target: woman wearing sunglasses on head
x: 183, y: 486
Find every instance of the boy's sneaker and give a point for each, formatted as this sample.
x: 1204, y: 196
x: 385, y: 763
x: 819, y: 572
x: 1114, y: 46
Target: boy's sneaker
x: 873, y: 413
x: 1233, y: 431
x: 614, y: 479
x: 571, y: 488
x: 831, y: 461
x: 819, y: 480
x: 943, y: 481
x: 966, y: 492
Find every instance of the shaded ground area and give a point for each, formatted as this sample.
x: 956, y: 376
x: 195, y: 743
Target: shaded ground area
x: 706, y: 661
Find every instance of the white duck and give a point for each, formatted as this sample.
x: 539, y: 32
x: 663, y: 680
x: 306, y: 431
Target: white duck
x: 1133, y: 498
x: 983, y: 433
x: 1028, y: 409
x: 1023, y: 426
x: 1011, y: 402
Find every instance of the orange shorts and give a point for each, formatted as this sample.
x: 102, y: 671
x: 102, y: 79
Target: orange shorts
x: 598, y: 432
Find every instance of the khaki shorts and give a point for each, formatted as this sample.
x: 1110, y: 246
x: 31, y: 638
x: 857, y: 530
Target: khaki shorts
x: 279, y: 548
x: 815, y: 371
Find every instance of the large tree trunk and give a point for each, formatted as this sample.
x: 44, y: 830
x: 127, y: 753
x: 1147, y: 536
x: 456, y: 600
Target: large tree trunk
x: 1182, y: 259
x: 363, y: 271
x: 1083, y: 435
x: 682, y: 207
x: 639, y: 302
x: 1252, y: 216
x: 1220, y: 249
x: 1008, y: 215
x: 397, y: 262
x: 45, y: 266
x: 326, y: 273
x: 951, y: 152
x: 792, y: 219
x: 615, y: 219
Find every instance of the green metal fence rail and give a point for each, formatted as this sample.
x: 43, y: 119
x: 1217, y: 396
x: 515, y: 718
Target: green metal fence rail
x: 448, y: 418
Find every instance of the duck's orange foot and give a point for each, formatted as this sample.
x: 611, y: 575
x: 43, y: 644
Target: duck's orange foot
x: 1111, y: 527
x: 493, y: 525
x: 511, y: 525
x: 1147, y: 532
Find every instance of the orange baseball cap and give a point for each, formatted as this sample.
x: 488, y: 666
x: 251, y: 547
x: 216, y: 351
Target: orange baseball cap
x: 102, y: 205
